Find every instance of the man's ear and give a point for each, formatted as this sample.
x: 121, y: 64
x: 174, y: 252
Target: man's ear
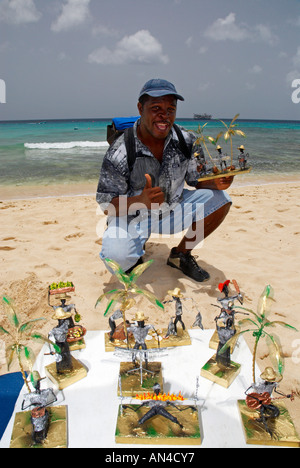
x: 140, y: 108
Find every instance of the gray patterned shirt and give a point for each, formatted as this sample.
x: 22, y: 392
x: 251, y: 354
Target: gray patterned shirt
x: 170, y: 175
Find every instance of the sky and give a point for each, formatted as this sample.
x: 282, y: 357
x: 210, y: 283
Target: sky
x: 62, y: 59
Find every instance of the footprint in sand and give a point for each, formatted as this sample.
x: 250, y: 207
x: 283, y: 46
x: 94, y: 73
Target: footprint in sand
x: 74, y: 236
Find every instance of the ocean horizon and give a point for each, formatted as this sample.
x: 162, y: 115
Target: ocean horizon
x: 57, y: 152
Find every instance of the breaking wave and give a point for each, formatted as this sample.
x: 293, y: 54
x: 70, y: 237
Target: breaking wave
x: 66, y: 145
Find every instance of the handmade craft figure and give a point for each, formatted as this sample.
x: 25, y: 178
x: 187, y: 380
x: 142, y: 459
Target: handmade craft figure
x: 222, y: 158
x: 220, y: 368
x: 198, y: 321
x: 140, y: 332
x: 242, y: 158
x: 59, y: 336
x: 228, y: 300
x: 171, y: 328
x: 226, y: 330
x: 67, y: 308
x: 76, y: 332
x: 176, y: 297
x: 158, y: 407
x: 39, y: 397
x: 259, y: 397
x: 112, y: 323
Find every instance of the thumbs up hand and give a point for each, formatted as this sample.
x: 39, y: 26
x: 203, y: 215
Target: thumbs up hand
x: 151, y: 194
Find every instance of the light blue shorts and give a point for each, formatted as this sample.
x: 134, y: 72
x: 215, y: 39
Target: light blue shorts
x: 125, y: 237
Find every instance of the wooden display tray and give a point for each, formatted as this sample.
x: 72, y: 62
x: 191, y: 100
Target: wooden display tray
x: 69, y: 378
x: 158, y: 430
x: 225, y: 174
x: 131, y: 381
x: 57, y: 434
x: 283, y: 429
x: 213, y: 372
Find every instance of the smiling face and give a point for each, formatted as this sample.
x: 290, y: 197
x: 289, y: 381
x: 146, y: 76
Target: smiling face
x: 157, y: 117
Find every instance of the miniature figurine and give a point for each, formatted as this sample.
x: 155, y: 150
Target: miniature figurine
x: 226, y: 330
x: 59, y: 334
x: 198, y: 321
x: 40, y: 418
x: 112, y: 323
x: 158, y: 407
x: 67, y: 308
x: 176, y: 297
x: 171, y: 328
x: 261, y: 397
x: 38, y: 397
x: 140, y: 332
x: 242, y: 158
x: 223, y: 287
x: 123, y: 296
x: 222, y: 158
x: 40, y: 425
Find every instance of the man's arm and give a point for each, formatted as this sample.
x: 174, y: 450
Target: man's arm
x: 222, y: 183
x: 121, y: 206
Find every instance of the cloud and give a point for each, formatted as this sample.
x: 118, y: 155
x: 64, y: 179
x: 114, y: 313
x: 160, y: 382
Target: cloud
x: 227, y: 29
x: 19, y: 11
x: 256, y: 69
x: 265, y: 34
x: 296, y: 58
x: 139, y: 48
x: 295, y: 72
x: 73, y: 14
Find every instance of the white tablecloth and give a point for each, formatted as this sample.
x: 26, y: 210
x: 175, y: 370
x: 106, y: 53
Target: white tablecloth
x: 93, y: 402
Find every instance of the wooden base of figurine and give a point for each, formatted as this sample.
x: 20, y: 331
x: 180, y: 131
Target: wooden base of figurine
x: 220, y: 376
x: 57, y: 434
x: 282, y: 428
x: 181, y: 339
x: 68, y: 378
x: 232, y: 173
x: 77, y: 345
x: 158, y: 430
x: 131, y: 378
x: 214, y: 341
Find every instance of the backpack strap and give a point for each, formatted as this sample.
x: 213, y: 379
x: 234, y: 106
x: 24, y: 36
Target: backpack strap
x: 182, y: 143
x: 130, y: 145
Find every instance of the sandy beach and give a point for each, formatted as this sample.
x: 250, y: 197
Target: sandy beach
x: 44, y: 240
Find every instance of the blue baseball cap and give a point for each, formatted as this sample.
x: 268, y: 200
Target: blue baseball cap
x: 157, y: 87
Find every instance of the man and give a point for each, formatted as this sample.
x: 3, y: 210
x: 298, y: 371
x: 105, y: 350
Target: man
x: 150, y: 196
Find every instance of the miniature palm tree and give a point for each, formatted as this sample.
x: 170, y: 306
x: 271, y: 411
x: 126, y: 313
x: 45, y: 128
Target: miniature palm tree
x: 232, y: 131
x: 124, y: 296
x: 202, y: 139
x: 19, y: 333
x: 261, y: 323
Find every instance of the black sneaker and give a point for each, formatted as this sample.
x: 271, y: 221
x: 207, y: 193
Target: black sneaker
x: 188, y: 265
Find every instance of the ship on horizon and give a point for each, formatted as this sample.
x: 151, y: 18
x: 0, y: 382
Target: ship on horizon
x: 202, y: 116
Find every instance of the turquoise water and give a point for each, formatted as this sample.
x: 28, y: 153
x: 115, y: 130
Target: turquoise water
x: 55, y: 152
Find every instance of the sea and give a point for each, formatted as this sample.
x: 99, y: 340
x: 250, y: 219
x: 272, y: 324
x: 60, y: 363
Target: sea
x: 69, y: 153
